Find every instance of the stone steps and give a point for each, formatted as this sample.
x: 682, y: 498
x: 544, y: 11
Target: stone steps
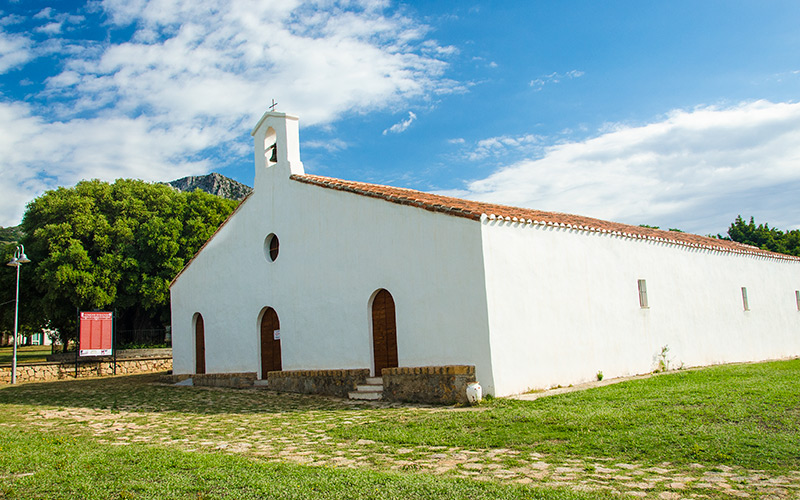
x: 371, y: 390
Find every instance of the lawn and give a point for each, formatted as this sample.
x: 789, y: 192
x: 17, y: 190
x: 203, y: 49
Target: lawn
x: 717, y: 432
x: 736, y: 415
x: 25, y: 354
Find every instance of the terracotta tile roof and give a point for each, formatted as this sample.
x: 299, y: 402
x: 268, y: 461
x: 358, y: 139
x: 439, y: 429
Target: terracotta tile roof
x: 474, y: 210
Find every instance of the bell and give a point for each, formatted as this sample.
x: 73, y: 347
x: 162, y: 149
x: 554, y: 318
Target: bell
x: 274, y: 157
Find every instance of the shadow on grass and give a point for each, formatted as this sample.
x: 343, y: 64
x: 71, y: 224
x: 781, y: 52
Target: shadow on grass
x: 143, y: 392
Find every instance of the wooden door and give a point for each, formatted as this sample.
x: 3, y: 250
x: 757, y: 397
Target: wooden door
x: 199, y: 345
x: 270, y: 342
x: 384, y: 332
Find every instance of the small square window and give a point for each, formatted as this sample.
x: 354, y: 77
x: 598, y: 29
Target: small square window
x: 643, y: 294
x: 745, y: 303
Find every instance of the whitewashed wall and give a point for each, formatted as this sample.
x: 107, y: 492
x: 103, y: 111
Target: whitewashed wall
x: 529, y: 306
x: 564, y: 304
x: 336, y: 250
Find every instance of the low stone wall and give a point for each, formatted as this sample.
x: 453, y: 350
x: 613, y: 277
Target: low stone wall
x: 329, y: 382
x: 428, y: 384
x: 234, y: 380
x: 42, y: 372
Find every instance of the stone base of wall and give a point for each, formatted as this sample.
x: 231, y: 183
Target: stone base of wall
x: 42, y: 372
x: 234, y: 380
x: 428, y: 384
x: 329, y: 382
x: 170, y: 378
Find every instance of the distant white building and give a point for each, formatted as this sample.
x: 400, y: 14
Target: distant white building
x: 319, y: 273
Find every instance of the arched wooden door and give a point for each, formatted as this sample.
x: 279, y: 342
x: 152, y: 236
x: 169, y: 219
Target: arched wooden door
x: 270, y: 342
x: 199, y: 345
x: 384, y: 332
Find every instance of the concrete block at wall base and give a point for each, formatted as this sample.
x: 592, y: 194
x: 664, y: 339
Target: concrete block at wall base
x: 428, y: 384
x: 234, y: 380
x: 326, y: 382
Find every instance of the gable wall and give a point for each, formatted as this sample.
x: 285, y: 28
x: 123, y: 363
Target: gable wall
x: 564, y: 305
x: 336, y: 250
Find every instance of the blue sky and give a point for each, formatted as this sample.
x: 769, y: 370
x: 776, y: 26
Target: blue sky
x: 678, y: 114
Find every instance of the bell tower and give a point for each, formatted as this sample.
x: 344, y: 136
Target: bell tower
x: 276, y: 140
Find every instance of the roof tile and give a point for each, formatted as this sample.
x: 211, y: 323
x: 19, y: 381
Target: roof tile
x: 469, y: 209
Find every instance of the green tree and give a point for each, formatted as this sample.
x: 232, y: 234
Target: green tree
x: 114, y: 246
x: 765, y: 237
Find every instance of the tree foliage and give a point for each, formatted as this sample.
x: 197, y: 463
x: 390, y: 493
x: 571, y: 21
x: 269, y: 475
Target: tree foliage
x: 765, y: 237
x: 114, y: 246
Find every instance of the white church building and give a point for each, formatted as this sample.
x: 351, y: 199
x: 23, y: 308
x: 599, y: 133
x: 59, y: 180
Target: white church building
x: 316, y: 273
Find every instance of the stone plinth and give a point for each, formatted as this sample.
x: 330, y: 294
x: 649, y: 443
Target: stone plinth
x: 428, y: 384
x: 329, y: 382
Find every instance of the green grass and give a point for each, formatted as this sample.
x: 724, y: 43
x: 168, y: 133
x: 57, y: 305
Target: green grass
x: 44, y: 465
x: 744, y: 415
x: 25, y: 354
x: 127, y: 437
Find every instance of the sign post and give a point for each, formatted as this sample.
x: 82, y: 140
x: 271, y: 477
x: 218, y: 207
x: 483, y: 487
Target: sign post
x: 96, y: 335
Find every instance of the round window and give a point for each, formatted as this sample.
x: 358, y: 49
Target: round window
x: 271, y: 245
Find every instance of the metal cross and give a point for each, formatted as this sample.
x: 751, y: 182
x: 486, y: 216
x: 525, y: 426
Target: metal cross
x: 272, y: 107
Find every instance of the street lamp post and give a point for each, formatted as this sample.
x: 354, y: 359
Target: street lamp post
x: 17, y: 261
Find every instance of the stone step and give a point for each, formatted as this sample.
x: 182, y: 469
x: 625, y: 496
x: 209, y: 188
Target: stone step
x: 375, y: 381
x: 261, y: 383
x: 369, y: 388
x: 366, y: 396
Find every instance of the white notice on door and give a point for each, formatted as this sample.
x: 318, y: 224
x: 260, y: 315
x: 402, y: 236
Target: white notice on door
x: 276, y: 334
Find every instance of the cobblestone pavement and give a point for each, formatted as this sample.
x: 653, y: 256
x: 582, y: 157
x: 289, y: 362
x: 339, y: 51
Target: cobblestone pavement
x: 303, y: 438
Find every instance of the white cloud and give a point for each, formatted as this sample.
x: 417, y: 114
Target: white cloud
x: 497, y: 146
x: 194, y: 77
x: 53, y: 28
x: 401, y: 126
x: 695, y: 170
x: 15, y: 50
x: 38, y: 155
x: 540, y: 82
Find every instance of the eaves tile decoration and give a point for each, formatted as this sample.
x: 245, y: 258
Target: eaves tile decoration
x: 479, y: 211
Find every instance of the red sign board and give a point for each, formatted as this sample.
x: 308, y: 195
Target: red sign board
x: 96, y: 337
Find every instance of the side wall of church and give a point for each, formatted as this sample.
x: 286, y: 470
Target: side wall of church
x: 564, y: 305
x: 337, y: 249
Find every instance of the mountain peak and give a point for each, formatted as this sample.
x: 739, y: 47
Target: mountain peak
x: 213, y: 183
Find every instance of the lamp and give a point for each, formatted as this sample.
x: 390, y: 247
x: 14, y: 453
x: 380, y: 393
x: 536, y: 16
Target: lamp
x: 16, y: 261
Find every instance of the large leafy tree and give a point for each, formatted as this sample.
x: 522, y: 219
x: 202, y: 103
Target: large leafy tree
x: 765, y: 237
x: 114, y: 246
